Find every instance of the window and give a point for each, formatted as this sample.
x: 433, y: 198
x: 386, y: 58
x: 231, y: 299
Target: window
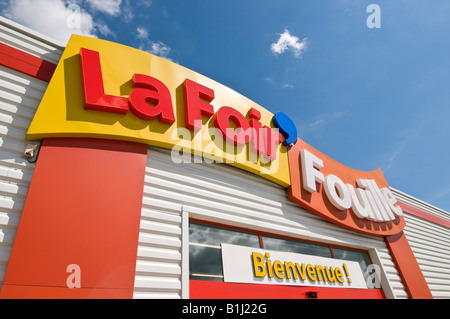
x: 205, y: 258
x: 295, y: 246
x: 361, y: 257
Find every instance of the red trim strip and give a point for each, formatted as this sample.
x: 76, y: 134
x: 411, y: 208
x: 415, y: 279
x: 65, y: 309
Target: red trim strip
x: 26, y: 63
x: 407, y: 266
x: 199, y: 289
x: 424, y: 215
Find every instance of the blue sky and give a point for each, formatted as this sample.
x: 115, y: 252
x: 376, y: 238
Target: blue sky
x: 367, y: 97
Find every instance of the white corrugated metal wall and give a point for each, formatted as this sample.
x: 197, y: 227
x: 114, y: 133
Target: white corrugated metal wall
x: 223, y: 194
x: 20, y: 96
x: 430, y: 244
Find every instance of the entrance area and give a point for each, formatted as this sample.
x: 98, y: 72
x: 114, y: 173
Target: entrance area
x: 206, y: 269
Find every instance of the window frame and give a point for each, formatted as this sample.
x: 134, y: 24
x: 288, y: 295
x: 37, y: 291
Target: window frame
x: 270, y: 234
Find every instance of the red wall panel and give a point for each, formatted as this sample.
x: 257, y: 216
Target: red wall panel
x: 199, y: 289
x: 83, y: 207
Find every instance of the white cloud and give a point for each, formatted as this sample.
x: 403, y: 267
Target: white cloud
x: 288, y: 85
x: 57, y: 19
x: 145, y: 3
x: 127, y: 12
x: 103, y: 29
x: 154, y: 47
x: 142, y: 33
x: 111, y: 7
x: 160, y: 49
x: 289, y: 42
x: 392, y: 159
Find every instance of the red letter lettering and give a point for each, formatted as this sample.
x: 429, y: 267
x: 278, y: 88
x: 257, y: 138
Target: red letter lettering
x: 221, y: 121
x: 271, y: 140
x: 94, y: 92
x: 264, y: 141
x: 151, y: 90
x: 194, y: 108
x: 256, y: 143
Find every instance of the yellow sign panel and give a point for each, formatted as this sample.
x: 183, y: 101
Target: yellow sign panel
x: 64, y: 111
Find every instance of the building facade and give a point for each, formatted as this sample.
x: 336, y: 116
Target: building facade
x: 98, y: 203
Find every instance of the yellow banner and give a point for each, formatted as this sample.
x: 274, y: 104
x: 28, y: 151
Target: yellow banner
x: 65, y: 112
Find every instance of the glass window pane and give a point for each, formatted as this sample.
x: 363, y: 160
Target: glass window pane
x: 211, y: 235
x: 205, y: 263
x: 205, y: 256
x: 361, y: 257
x: 295, y: 246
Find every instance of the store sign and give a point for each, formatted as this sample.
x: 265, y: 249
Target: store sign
x: 102, y: 89
x: 356, y: 200
x: 259, y: 266
x: 150, y: 99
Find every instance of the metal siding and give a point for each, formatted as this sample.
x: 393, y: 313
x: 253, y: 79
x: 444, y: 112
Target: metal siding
x: 15, y: 170
x: 29, y: 41
x: 223, y: 194
x: 430, y: 244
x: 410, y: 200
x: 20, y: 96
x: 158, y: 264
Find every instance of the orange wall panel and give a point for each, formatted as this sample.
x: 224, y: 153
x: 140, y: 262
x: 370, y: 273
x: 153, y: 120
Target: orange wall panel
x: 407, y: 266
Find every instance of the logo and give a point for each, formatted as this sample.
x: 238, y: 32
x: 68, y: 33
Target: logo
x: 356, y: 200
x: 102, y: 89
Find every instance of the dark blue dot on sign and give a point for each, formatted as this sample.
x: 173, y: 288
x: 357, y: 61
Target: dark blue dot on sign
x: 286, y: 127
